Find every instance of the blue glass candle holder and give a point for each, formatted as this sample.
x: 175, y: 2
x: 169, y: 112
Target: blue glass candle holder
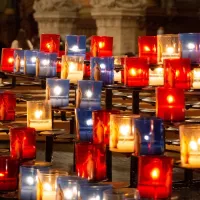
x: 89, y: 94
x: 84, y: 124
x: 47, y: 64
x: 30, y: 61
x: 68, y: 187
x: 28, y: 180
x: 190, y: 46
x: 19, y: 61
x: 75, y: 45
x: 57, y: 91
x: 151, y: 134
x: 93, y: 191
x: 102, y: 69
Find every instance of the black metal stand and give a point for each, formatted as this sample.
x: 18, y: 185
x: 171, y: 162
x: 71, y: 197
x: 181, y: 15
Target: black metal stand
x: 74, y: 157
x: 49, y: 148
x: 13, y: 81
x: 135, y: 101
x: 108, y: 98
x: 108, y: 164
x: 72, y: 125
x: 134, y: 172
x: 43, y: 83
x: 63, y: 115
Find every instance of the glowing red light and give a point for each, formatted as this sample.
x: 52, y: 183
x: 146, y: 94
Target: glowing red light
x: 155, y: 173
x: 10, y: 60
x: 2, y: 175
x: 170, y: 99
x: 101, y: 45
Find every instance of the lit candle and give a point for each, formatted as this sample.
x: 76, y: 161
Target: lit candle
x: 196, y: 78
x: 168, y: 47
x: 155, y: 177
x: 48, y: 192
x: 156, y: 76
x: 122, y: 132
x: 39, y: 115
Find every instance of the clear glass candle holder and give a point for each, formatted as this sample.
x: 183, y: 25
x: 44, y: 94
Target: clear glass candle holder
x: 101, y: 125
x: 148, y: 48
x: 91, y: 161
x: 57, y: 91
x: 122, y: 133
x: 39, y: 115
x: 88, y: 94
x: 72, y: 68
x: 23, y: 143
x: 47, y: 184
x: 156, y: 76
x: 94, y: 191
x: 196, y: 78
x: 189, y: 46
x: 50, y: 43
x: 150, y: 132
x: 102, y: 69
x: 9, y: 170
x: 101, y: 46
x: 30, y: 58
x: 75, y: 45
x: 190, y: 145
x: 46, y: 64
x: 168, y: 47
x: 19, y: 61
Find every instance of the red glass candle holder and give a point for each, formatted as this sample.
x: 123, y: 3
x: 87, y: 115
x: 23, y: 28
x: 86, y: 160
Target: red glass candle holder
x: 91, y: 161
x: 101, y: 125
x: 50, y: 43
x: 177, y: 73
x: 170, y: 104
x: 101, y: 46
x: 23, y: 143
x: 148, y: 48
x: 7, y: 106
x: 86, y: 70
x: 59, y: 61
x: 155, y: 176
x: 9, y: 169
x: 136, y: 72
x: 7, y: 60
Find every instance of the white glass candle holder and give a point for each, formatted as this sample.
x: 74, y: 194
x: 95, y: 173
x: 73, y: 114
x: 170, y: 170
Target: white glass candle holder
x: 122, y: 136
x: 72, y: 68
x: 196, y: 78
x: 168, y: 47
x: 190, y: 145
x: 39, y: 115
x: 156, y: 76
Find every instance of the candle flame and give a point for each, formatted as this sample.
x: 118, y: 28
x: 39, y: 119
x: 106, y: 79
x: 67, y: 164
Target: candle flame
x: 124, y: 129
x: 191, y: 46
x: 170, y: 99
x: 133, y: 72
x: 88, y: 93
x: 146, y: 48
x: 170, y: 50
x: 101, y: 45
x: 48, y: 45
x: 155, y: 173
x: 2, y: 174
x: 75, y: 48
x: 33, y: 59
x: 72, y: 66
x: 10, y: 60
x: 47, y: 187
x: 193, y: 145
x: 38, y: 114
x: 57, y: 90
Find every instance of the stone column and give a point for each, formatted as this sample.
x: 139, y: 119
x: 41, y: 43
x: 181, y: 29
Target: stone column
x: 118, y: 18
x: 55, y: 16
